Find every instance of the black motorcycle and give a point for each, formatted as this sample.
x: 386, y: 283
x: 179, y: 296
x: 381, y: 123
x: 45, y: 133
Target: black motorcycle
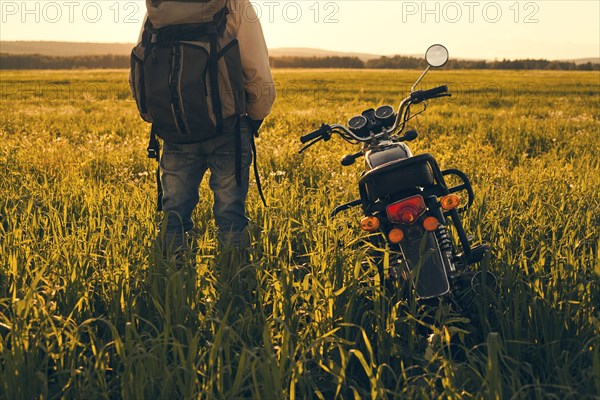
x: 405, y: 197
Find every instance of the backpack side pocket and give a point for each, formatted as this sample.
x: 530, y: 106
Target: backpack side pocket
x: 176, y: 92
x: 194, y: 91
x: 137, y: 82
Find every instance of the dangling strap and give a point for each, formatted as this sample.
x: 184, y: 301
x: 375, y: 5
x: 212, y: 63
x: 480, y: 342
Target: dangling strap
x: 154, y: 152
x: 238, y: 152
x: 238, y: 160
x: 256, y: 175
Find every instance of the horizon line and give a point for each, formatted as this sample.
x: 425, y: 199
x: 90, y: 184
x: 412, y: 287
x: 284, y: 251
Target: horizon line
x: 374, y: 55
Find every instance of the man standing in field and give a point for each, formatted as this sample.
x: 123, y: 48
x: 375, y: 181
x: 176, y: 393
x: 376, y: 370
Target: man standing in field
x: 228, y: 157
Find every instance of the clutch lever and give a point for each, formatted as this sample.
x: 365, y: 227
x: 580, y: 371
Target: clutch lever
x: 306, y: 146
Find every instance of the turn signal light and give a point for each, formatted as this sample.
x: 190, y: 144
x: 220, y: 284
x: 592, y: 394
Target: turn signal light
x: 369, y: 224
x: 450, y: 202
x: 431, y: 224
x: 396, y: 235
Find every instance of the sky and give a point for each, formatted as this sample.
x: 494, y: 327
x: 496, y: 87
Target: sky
x: 551, y: 29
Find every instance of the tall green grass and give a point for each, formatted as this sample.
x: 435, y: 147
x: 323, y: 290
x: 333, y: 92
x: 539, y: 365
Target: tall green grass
x: 88, y: 311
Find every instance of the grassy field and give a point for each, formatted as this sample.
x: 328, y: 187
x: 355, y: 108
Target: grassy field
x: 87, y: 312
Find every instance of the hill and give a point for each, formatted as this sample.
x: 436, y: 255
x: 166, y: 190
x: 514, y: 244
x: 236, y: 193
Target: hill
x: 310, y: 52
x: 64, y: 49
x: 85, y: 49
x: 75, y: 49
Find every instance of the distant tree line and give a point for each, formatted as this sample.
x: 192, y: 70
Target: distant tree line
x: 405, y: 62
x: 402, y: 62
x: 37, y: 61
x: 316, y: 62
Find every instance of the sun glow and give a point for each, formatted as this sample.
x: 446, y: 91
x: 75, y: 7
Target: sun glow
x: 470, y: 29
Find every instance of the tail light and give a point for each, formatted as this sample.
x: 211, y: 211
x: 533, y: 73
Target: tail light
x: 406, y: 211
x: 450, y: 202
x: 369, y: 224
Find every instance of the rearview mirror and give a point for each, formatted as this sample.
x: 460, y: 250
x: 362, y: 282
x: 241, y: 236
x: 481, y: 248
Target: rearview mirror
x: 436, y: 55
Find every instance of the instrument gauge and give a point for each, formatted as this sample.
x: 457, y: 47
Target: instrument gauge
x: 386, y: 115
x: 358, y: 125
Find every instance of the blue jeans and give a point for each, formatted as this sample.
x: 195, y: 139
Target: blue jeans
x: 182, y: 168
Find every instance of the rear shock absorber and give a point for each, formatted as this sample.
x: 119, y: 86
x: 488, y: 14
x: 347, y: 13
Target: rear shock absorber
x: 397, y: 267
x: 445, y: 243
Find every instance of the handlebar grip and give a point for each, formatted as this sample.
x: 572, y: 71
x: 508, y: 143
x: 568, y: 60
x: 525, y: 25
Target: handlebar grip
x: 436, y: 90
x: 314, y: 134
x: 421, y: 95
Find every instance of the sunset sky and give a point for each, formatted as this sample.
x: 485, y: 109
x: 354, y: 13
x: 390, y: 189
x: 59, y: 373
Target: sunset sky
x: 552, y: 29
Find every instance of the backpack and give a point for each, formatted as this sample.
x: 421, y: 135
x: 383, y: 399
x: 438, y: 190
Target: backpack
x: 183, y: 81
x: 185, y: 76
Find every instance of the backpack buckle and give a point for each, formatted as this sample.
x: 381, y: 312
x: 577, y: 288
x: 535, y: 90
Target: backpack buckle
x: 153, y: 148
x: 152, y: 152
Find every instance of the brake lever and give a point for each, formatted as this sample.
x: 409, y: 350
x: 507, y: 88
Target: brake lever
x: 309, y: 144
x: 349, y: 159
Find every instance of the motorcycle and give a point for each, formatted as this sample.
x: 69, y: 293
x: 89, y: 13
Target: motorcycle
x: 406, y: 199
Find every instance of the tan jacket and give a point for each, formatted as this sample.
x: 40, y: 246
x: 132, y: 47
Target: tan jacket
x: 243, y: 24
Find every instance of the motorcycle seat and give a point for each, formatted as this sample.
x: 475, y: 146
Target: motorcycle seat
x: 399, y: 176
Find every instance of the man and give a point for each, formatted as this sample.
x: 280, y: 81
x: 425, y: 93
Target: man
x: 183, y: 165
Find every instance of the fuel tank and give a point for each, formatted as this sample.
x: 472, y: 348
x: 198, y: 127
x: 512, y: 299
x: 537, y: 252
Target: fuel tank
x: 385, y: 153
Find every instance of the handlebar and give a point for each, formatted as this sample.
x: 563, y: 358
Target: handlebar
x: 324, y: 132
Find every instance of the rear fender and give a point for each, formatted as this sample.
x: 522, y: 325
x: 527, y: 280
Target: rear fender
x: 425, y: 264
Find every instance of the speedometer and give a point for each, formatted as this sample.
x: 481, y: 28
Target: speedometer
x: 358, y: 125
x: 386, y: 115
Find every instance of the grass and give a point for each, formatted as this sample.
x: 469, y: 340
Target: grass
x: 86, y: 311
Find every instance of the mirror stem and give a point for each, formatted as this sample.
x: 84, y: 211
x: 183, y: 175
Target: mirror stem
x: 412, y: 89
